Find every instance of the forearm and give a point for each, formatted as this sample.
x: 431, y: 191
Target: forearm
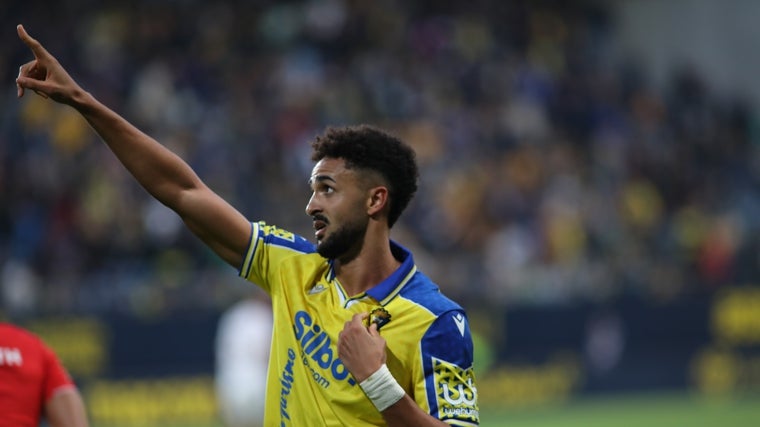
x: 162, y: 173
x: 362, y: 350
x: 169, y: 179
x: 396, y: 406
x: 406, y: 412
x: 66, y: 409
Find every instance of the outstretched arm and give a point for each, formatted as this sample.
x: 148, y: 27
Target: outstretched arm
x: 162, y: 173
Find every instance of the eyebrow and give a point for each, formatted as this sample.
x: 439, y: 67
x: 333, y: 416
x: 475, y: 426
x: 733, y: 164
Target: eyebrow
x: 320, y: 178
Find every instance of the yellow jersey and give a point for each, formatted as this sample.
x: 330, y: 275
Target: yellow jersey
x: 429, y: 346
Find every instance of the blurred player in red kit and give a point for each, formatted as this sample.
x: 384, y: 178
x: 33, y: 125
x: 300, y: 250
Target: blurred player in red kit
x: 34, y: 385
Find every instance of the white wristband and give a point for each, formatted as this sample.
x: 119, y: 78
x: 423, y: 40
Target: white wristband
x: 382, y: 389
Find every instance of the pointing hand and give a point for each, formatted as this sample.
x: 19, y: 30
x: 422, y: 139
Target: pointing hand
x: 44, y: 75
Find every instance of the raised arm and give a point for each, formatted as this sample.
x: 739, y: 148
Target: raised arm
x: 162, y: 173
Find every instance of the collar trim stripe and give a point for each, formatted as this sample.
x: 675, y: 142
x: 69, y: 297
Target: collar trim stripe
x: 400, y: 286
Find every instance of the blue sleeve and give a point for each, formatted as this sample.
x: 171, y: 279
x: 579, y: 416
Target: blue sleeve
x: 447, y: 354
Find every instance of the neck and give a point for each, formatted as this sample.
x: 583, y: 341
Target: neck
x: 371, y: 266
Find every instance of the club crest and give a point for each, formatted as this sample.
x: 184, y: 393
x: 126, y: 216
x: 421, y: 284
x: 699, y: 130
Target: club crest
x: 379, y: 316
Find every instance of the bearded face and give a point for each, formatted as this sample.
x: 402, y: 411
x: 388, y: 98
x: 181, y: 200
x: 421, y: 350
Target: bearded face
x: 345, y: 241
x: 338, y: 208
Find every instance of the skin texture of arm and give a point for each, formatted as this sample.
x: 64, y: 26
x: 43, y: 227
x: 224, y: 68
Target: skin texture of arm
x: 362, y: 350
x: 66, y: 409
x: 162, y: 173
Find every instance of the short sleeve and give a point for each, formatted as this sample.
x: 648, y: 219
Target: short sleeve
x: 447, y: 355
x: 268, y: 247
x: 56, y: 376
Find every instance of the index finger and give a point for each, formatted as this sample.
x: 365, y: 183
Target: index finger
x: 33, y: 44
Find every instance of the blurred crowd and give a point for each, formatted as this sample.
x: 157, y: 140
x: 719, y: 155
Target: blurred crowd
x: 553, y: 171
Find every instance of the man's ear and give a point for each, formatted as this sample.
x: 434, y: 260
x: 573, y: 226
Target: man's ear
x: 377, y: 201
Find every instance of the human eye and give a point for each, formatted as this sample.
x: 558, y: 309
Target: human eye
x: 322, y: 186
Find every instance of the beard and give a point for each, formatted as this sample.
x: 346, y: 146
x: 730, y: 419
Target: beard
x: 344, y: 243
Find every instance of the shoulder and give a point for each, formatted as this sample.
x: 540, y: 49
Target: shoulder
x: 16, y: 334
x: 17, y: 341
x: 270, y: 249
x: 272, y: 235
x: 449, y: 325
x: 424, y: 292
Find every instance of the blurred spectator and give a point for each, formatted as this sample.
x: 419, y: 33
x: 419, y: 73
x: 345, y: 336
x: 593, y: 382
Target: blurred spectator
x: 558, y: 172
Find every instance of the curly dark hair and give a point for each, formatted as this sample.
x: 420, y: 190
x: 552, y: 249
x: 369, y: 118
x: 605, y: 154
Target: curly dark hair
x: 367, y: 147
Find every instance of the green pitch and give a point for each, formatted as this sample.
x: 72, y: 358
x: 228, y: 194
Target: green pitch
x: 653, y: 410
x: 657, y: 410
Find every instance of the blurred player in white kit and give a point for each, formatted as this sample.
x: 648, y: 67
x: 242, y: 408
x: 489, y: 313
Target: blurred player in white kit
x: 242, y: 356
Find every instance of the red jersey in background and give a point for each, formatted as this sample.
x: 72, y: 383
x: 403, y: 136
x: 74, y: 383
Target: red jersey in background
x: 30, y: 374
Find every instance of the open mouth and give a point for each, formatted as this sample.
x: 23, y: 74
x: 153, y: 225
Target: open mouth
x: 319, y: 229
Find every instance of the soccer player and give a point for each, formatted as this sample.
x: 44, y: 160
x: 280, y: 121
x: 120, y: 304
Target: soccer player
x: 361, y: 337
x: 34, y: 385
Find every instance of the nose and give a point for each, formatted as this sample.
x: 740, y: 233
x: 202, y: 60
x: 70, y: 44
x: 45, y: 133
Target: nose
x: 311, y: 206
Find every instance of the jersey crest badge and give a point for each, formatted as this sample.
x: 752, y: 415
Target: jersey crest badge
x: 379, y: 316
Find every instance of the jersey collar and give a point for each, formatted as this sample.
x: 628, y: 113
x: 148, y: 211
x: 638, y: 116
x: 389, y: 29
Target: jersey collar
x: 384, y: 291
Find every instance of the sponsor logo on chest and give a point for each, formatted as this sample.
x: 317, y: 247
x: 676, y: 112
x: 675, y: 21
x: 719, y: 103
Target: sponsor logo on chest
x: 318, y: 350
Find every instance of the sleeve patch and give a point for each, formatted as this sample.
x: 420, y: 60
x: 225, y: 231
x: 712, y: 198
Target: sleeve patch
x: 455, y: 392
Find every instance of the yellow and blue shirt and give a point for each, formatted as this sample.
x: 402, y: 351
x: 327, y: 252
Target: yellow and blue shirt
x: 429, y: 346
